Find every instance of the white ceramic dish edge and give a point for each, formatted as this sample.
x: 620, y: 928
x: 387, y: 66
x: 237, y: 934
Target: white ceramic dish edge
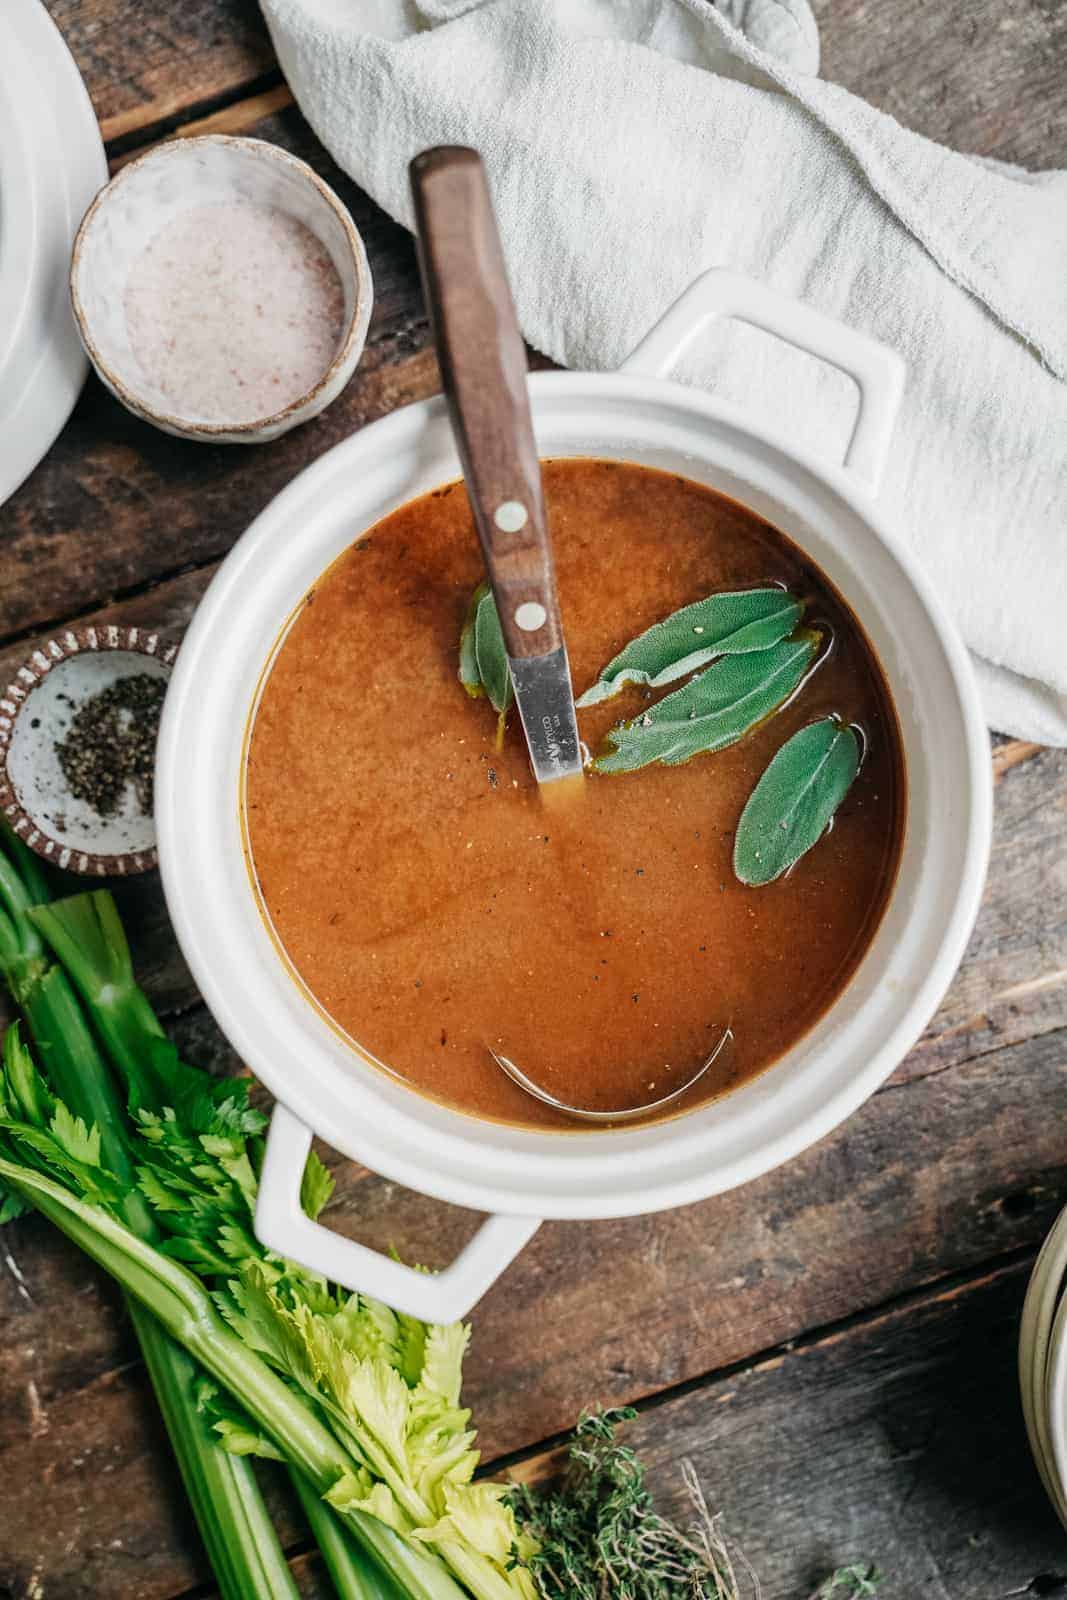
x: 51, y: 164
x: 520, y: 1174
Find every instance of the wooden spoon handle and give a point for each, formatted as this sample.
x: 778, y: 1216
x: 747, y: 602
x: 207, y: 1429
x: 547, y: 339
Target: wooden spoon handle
x: 483, y: 371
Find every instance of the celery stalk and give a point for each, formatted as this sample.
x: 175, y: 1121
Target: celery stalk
x: 236, y: 1529
x: 242, y: 1545
x: 68, y: 1056
x: 85, y: 933
x: 184, y: 1307
x: 239, y: 1537
x: 350, y: 1569
x: 29, y: 867
x: 87, y: 936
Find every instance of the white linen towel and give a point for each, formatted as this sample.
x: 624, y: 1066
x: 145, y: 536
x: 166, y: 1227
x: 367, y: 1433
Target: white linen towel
x: 633, y: 143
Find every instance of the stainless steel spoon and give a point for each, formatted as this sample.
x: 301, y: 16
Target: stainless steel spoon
x: 626, y: 1114
x: 483, y: 372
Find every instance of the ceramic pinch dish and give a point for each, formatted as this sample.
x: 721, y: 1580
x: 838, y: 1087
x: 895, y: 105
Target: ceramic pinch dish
x: 322, y: 1082
x: 36, y: 710
x: 221, y: 289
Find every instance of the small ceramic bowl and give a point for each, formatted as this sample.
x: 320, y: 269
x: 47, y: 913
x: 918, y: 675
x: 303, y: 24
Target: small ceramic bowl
x: 36, y: 710
x: 193, y: 179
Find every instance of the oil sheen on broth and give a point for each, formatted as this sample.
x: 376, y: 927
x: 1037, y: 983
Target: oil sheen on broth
x: 434, y: 907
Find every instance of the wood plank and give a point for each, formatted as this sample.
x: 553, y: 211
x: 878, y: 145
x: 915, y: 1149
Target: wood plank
x: 146, y: 64
x: 240, y: 118
x: 972, y: 74
x: 1013, y: 981
x: 929, y: 1179
x: 899, y: 1440
x: 117, y: 505
x: 104, y: 1511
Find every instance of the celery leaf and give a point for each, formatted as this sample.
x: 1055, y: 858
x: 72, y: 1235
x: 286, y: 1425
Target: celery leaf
x: 316, y: 1186
x: 236, y: 1430
x: 80, y: 1143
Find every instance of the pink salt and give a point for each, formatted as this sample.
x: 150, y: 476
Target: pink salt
x: 234, y: 311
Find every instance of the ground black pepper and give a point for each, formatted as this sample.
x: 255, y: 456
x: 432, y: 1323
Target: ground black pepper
x: 111, y: 743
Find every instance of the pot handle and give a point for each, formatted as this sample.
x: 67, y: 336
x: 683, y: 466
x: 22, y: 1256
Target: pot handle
x: 284, y: 1227
x: 877, y: 371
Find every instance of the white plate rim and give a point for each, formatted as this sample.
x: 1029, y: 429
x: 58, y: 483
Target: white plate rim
x: 56, y: 134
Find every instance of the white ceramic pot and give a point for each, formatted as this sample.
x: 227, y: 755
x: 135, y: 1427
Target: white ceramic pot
x: 519, y: 1175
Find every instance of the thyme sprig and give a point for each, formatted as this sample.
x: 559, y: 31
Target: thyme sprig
x: 598, y: 1535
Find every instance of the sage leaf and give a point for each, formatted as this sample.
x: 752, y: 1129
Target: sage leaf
x: 713, y: 710
x: 792, y: 804
x: 469, y: 675
x: 492, y: 655
x: 732, y: 623
x: 483, y: 657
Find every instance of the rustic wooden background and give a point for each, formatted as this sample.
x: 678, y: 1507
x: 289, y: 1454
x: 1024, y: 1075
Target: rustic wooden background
x: 834, y: 1345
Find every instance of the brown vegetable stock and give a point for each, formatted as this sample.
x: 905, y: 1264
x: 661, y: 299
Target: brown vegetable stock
x: 434, y: 907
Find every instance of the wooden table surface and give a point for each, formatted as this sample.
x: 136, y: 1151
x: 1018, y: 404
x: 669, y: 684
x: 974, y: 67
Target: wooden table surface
x: 834, y: 1345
